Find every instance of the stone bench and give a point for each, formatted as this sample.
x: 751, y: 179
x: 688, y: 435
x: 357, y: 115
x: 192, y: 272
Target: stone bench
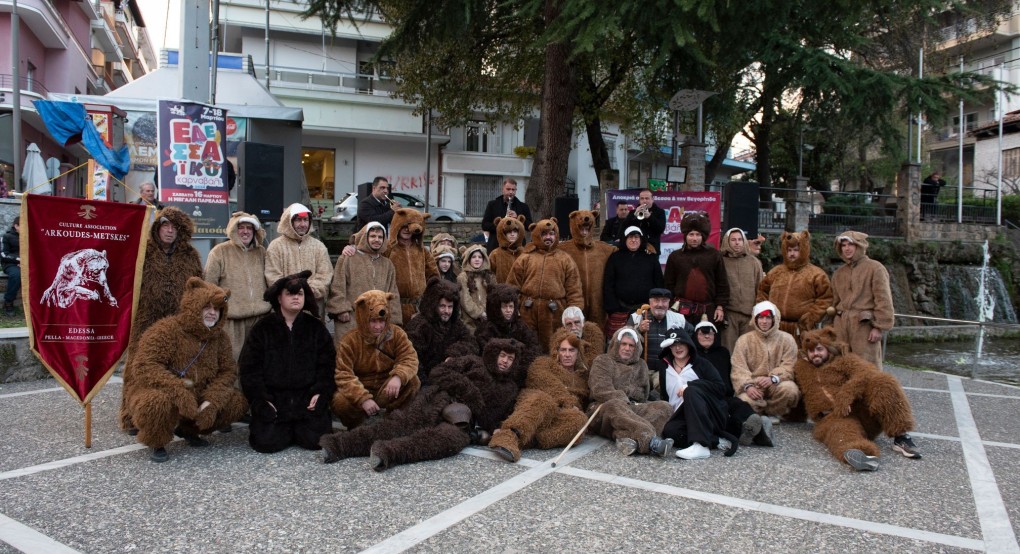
x: 17, y: 363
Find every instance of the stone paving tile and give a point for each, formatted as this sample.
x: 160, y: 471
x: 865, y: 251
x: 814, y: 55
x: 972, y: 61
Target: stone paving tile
x: 1006, y: 466
x: 572, y: 514
x: 25, y: 386
x: 801, y: 473
x: 918, y: 379
x: 992, y: 426
x: 39, y: 428
x: 933, y: 412
x: 228, y: 498
x: 990, y: 388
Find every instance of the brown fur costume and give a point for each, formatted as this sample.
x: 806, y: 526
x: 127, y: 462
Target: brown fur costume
x: 697, y: 275
x: 364, y: 271
x: 497, y: 327
x: 419, y: 432
x: 593, y: 343
x: 412, y: 263
x: 548, y: 279
x: 364, y: 363
x: 180, y: 363
x: 550, y: 410
x: 862, y: 298
x: 590, y: 256
x: 744, y: 275
x: 800, y: 289
x: 849, y: 399
x: 240, y: 268
x: 163, y: 277
x: 502, y: 259
x: 765, y: 354
x: 433, y: 340
x: 290, y: 253
x: 623, y: 389
x: 474, y: 286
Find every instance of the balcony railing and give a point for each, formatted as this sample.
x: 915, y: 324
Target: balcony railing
x: 27, y: 84
x: 327, y: 81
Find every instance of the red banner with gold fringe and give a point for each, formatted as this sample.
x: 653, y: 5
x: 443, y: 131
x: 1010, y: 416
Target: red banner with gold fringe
x: 81, y: 271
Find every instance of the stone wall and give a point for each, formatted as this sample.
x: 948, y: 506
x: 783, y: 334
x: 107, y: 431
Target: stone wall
x: 17, y: 363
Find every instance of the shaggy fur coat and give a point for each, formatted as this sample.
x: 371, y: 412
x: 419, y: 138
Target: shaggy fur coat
x: 282, y: 369
x: 419, y: 431
x: 550, y: 409
x: 850, y: 400
x: 412, y: 263
x: 180, y: 364
x: 354, y: 275
x: 862, y: 298
x: 548, y: 279
x: 496, y: 326
x: 800, y: 289
x: 697, y: 274
x: 502, y: 259
x: 744, y: 275
x: 290, y: 253
x: 590, y: 256
x: 764, y: 354
x: 623, y: 389
x: 241, y: 268
x: 474, y: 286
x: 364, y: 362
x: 434, y: 340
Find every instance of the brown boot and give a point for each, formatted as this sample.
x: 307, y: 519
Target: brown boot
x: 505, y: 443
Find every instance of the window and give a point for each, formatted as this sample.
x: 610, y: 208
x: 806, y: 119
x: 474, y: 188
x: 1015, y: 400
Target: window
x: 480, y: 189
x: 477, y: 137
x: 1011, y: 163
x: 970, y: 119
x: 610, y: 141
x: 638, y: 174
x: 318, y: 166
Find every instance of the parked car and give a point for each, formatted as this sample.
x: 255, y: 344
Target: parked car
x: 347, y: 208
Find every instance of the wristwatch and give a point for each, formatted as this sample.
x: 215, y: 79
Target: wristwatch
x: 775, y: 379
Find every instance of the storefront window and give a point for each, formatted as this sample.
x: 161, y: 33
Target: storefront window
x: 319, y: 166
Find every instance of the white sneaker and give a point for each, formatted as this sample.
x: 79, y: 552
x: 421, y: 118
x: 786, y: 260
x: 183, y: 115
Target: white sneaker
x: 724, y: 444
x: 693, y: 452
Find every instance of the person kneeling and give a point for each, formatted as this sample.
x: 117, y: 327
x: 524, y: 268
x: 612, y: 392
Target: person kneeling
x: 287, y: 370
x: 184, y: 373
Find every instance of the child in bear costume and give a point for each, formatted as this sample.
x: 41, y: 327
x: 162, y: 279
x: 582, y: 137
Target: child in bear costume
x: 548, y: 279
x: 184, y: 372
x: 590, y: 256
x: 502, y: 259
x: 851, y: 402
x: 413, y: 264
x: 437, y: 423
x: 504, y: 322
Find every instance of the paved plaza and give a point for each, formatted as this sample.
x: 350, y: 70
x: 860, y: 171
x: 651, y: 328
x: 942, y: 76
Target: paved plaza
x: 964, y: 495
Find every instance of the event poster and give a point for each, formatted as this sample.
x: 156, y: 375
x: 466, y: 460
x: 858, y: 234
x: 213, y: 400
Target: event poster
x: 81, y: 272
x: 676, y: 204
x: 192, y: 163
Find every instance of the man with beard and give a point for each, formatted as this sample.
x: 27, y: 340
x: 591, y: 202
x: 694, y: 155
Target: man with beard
x: 652, y: 324
x: 376, y: 365
x: 368, y: 269
x: 619, y: 382
x: 548, y: 280
x: 696, y: 274
x: 503, y: 321
x: 437, y: 331
x: 465, y: 402
x: 287, y: 369
x: 590, y: 257
x: 506, y: 206
x: 296, y: 250
x: 240, y: 266
x: 851, y: 401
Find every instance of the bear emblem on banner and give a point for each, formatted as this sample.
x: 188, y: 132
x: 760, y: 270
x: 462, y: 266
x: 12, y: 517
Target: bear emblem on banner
x: 79, y: 275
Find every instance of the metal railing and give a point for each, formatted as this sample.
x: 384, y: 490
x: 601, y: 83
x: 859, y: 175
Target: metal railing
x: 27, y: 84
x: 829, y: 212
x: 329, y: 81
x: 980, y: 325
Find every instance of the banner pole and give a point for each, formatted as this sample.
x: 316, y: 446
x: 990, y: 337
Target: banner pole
x: 88, y: 424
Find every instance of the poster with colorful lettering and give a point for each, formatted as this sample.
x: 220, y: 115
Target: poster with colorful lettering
x: 192, y: 158
x: 81, y: 271
x: 676, y: 204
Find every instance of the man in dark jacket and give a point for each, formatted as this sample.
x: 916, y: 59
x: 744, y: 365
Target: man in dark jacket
x: 286, y: 366
x: 505, y: 205
x: 631, y: 272
x: 648, y: 217
x: 615, y: 226
x: 437, y: 331
x: 930, y: 188
x: 377, y: 207
x: 10, y: 258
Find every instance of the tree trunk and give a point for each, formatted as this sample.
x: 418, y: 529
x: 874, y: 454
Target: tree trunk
x: 597, y: 145
x: 559, y: 98
x: 721, y: 149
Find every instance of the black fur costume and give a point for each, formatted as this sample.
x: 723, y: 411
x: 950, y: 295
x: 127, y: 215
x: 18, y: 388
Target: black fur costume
x: 497, y: 327
x: 419, y: 432
x: 433, y: 340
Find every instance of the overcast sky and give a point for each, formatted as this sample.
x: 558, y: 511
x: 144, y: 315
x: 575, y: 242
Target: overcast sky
x: 157, y: 15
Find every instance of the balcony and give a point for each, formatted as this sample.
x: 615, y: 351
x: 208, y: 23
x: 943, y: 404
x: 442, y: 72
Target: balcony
x: 967, y: 36
x: 43, y: 21
x: 282, y: 77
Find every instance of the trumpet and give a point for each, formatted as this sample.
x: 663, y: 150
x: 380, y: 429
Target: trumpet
x: 642, y: 212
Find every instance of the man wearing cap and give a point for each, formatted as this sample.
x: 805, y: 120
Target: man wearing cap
x: 296, y: 250
x: 763, y: 361
x: 652, y: 322
x: 862, y: 298
x: 366, y: 269
x: 630, y: 273
x: 696, y: 273
x: 240, y: 265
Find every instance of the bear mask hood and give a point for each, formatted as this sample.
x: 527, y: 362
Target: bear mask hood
x: 801, y: 239
x: 413, y: 220
x: 373, y: 303
x: 856, y: 237
x: 185, y: 226
x: 504, y: 225
x: 490, y: 355
x: 580, y: 221
x: 435, y: 289
x: 198, y: 294
x: 536, y: 235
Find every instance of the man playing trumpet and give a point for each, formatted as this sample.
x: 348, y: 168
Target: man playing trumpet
x: 378, y: 206
x: 648, y: 217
